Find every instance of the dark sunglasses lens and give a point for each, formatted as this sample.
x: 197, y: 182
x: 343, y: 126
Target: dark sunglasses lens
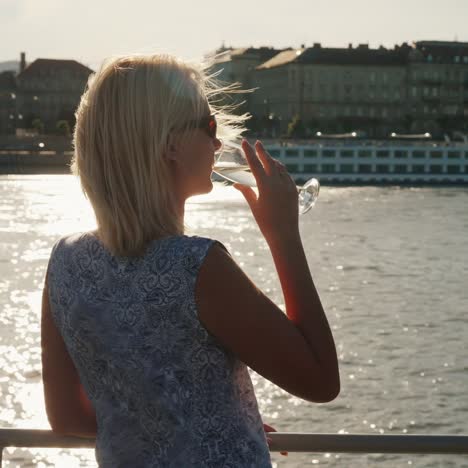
x: 212, y: 127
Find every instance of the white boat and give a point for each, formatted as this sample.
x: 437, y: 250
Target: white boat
x: 375, y: 162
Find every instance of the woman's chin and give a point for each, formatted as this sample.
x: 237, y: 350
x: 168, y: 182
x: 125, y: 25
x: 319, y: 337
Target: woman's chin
x: 207, y: 188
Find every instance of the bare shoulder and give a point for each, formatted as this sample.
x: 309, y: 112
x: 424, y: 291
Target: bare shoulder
x: 233, y: 309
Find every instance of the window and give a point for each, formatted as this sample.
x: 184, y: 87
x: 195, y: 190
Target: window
x: 328, y: 153
x: 418, y: 154
x: 365, y: 168
x: 453, y: 169
x: 401, y: 154
x: 435, y: 169
x: 291, y: 153
x: 310, y: 167
x: 328, y: 168
x: 436, y: 154
x: 454, y: 154
x: 400, y: 169
x: 346, y: 153
x: 418, y: 169
x: 383, y: 153
x: 346, y: 168
x: 274, y: 152
x: 308, y: 153
x: 383, y: 168
x: 292, y: 167
x: 364, y: 153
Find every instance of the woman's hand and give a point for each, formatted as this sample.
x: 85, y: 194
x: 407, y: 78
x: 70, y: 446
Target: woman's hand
x: 267, y: 428
x: 275, y: 209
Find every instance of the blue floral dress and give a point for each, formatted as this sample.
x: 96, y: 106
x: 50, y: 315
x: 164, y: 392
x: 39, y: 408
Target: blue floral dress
x: 166, y: 392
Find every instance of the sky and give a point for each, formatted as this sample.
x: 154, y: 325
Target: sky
x: 91, y: 30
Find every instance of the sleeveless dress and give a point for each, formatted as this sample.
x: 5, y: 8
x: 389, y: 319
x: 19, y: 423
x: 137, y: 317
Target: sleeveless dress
x: 165, y: 391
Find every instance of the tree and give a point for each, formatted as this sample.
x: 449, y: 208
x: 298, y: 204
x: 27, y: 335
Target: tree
x: 296, y: 128
x: 63, y: 128
x: 38, y: 125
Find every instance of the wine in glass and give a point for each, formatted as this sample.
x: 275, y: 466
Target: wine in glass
x: 233, y: 166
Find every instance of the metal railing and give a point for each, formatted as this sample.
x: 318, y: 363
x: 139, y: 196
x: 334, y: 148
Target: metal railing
x: 280, y: 441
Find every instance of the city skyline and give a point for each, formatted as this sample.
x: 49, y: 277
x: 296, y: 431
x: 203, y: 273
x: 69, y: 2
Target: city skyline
x: 89, y: 32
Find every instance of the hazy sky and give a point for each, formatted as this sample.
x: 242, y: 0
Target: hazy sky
x: 90, y: 30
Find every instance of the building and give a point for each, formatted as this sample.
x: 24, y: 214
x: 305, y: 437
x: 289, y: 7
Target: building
x: 49, y: 90
x: 335, y: 89
x: 8, y: 116
x: 438, y: 86
x: 411, y: 88
x: 237, y: 66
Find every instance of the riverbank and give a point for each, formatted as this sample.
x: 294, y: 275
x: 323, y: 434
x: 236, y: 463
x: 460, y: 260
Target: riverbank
x: 37, y: 162
x: 336, y: 163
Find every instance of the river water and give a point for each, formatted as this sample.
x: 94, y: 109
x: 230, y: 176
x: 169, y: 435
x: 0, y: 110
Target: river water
x: 391, y: 265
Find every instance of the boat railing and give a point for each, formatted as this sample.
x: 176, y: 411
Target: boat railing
x: 280, y: 442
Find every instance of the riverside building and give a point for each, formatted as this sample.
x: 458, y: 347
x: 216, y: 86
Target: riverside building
x: 42, y: 93
x: 415, y: 88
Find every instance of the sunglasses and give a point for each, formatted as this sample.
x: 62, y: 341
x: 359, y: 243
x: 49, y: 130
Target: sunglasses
x: 208, y: 124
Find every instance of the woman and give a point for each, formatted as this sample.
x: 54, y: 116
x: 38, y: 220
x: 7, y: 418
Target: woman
x: 146, y: 332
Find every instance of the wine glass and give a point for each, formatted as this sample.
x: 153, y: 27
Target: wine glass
x: 233, y: 166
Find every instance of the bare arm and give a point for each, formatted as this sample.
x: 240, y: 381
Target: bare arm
x: 297, y: 351
x: 68, y: 409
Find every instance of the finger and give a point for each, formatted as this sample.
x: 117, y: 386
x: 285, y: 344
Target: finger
x: 285, y: 175
x: 249, y: 194
x: 279, y: 165
x: 267, y: 161
x: 268, y: 428
x: 255, y: 165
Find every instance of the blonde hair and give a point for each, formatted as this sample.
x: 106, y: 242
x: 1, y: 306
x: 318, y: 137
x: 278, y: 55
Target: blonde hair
x: 123, y: 124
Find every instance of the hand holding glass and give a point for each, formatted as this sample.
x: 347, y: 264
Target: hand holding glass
x: 233, y: 166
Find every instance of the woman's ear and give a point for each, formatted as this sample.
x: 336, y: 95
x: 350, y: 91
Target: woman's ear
x: 172, y: 149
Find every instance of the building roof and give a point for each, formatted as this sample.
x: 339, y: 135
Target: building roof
x: 36, y: 67
x: 442, y: 51
x: 260, y: 53
x: 283, y: 58
x: 361, y: 55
